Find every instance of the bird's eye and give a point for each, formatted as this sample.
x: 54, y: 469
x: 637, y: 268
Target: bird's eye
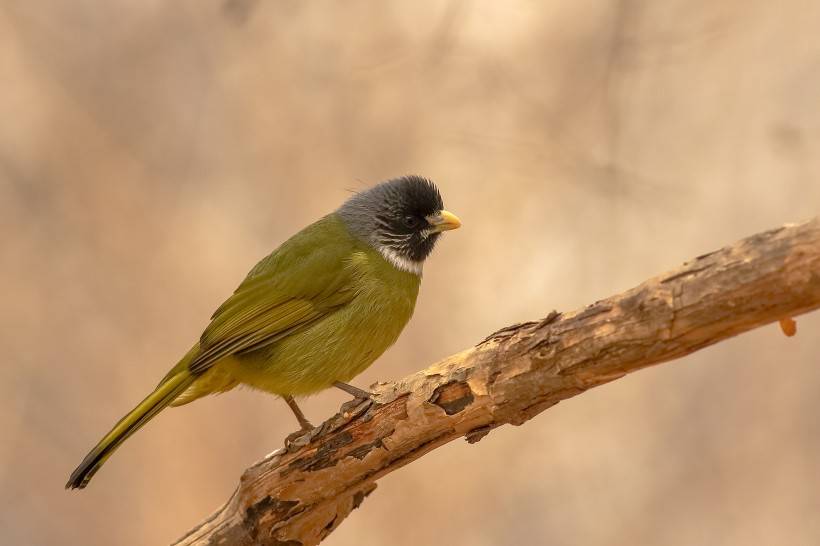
x: 410, y: 221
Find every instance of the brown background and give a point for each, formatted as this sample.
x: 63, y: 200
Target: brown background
x: 152, y: 151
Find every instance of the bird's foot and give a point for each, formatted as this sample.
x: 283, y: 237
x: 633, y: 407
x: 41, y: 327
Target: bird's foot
x: 303, y: 422
x: 355, y: 407
x: 356, y: 392
x: 361, y: 402
x: 295, y: 440
x: 302, y: 436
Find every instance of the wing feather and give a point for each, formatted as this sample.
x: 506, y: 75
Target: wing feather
x: 303, y: 281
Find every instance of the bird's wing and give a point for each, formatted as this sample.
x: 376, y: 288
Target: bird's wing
x: 300, y: 283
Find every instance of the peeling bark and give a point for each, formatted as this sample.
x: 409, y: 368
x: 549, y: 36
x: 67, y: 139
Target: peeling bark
x: 299, y: 495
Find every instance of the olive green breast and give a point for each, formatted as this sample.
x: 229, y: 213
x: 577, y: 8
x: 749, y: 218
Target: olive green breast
x: 343, y: 343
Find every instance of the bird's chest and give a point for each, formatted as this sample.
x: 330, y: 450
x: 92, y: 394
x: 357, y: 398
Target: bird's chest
x: 379, y: 313
x: 384, y: 303
x: 358, y: 334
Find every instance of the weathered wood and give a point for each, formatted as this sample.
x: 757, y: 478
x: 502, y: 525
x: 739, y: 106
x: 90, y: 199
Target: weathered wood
x: 299, y: 495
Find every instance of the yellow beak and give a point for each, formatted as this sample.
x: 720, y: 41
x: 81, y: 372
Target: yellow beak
x: 444, y: 221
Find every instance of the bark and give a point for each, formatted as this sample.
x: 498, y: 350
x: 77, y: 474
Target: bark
x: 298, y: 495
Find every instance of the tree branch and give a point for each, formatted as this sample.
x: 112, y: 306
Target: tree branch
x: 299, y: 495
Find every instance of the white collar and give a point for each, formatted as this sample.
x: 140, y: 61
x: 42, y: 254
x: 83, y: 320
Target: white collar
x: 400, y: 262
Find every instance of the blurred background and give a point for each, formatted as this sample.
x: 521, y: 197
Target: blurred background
x: 152, y: 151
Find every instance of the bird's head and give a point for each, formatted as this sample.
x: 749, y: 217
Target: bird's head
x: 402, y: 218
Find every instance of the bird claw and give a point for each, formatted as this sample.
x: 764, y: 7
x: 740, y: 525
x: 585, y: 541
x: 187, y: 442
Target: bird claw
x: 355, y: 406
x: 298, y: 439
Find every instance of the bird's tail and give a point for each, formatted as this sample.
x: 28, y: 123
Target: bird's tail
x: 163, y: 395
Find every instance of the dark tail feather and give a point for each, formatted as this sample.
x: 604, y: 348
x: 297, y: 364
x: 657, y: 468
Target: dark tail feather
x: 164, y: 394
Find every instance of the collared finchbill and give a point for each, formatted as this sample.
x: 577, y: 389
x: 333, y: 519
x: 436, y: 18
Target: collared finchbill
x: 444, y: 220
x: 325, y: 298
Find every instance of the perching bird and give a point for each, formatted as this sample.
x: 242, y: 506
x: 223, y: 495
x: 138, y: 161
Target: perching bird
x: 313, y: 314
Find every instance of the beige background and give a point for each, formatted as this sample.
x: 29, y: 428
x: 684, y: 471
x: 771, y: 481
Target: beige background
x: 152, y: 151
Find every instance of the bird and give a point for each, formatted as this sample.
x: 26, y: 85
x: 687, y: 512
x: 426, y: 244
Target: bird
x: 311, y: 315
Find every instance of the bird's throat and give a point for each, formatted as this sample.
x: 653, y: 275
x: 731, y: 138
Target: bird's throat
x: 400, y: 262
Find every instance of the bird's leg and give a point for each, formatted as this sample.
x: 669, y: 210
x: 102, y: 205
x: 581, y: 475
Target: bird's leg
x: 354, y: 391
x: 303, y: 422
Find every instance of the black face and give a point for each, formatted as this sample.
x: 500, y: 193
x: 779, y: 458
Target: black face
x: 401, y: 221
x: 393, y: 215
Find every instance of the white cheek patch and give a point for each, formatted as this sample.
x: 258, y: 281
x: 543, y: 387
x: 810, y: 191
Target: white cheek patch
x: 400, y: 262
